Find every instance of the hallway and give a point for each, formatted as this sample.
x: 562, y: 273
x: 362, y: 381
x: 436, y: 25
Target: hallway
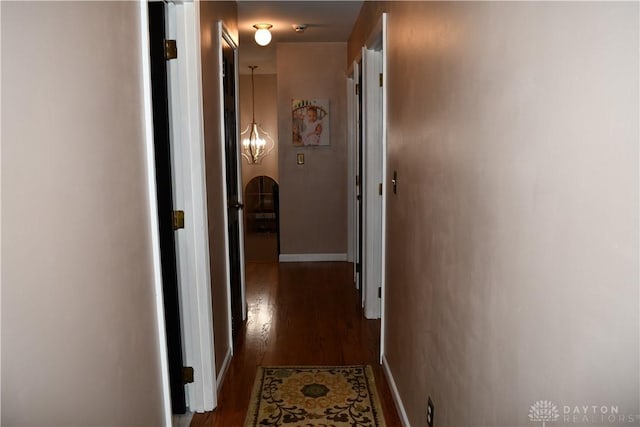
x: 299, y: 314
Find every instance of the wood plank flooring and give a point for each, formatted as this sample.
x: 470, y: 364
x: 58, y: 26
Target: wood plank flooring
x: 261, y: 247
x: 298, y: 314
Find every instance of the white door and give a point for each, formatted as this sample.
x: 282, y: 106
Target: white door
x: 192, y: 245
x: 374, y: 173
x: 372, y: 181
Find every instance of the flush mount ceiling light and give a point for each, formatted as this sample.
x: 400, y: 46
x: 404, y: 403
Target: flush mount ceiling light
x: 263, y: 35
x: 256, y: 142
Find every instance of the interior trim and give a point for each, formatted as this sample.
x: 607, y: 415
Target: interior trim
x: 312, y: 257
x: 224, y: 368
x: 394, y: 392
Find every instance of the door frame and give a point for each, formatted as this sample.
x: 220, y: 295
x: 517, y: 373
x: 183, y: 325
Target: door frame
x: 382, y: 33
x: 224, y: 34
x: 372, y: 112
x: 192, y: 243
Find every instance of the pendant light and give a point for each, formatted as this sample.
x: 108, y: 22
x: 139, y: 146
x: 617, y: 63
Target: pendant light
x: 256, y: 142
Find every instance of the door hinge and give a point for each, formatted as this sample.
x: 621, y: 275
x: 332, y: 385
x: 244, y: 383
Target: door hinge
x: 357, y: 180
x: 380, y: 189
x: 357, y: 89
x: 187, y: 374
x: 358, y: 267
x: 170, y: 49
x: 380, y: 292
x: 380, y: 79
x: 178, y: 220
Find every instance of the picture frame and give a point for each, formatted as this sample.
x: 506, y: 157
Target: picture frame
x: 310, y: 122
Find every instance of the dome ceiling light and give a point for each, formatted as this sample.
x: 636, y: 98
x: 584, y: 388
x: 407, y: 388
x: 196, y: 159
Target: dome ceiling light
x: 263, y: 35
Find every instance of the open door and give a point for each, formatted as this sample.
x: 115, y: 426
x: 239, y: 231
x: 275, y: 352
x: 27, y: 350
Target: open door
x: 160, y: 108
x: 373, y: 172
x: 355, y: 161
x: 190, y: 197
x: 359, y: 183
x: 372, y: 188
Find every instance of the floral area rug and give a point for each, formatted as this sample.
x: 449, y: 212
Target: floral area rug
x: 304, y: 396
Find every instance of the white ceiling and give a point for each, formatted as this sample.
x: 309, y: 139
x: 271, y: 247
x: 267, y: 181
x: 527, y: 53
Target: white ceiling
x: 328, y: 21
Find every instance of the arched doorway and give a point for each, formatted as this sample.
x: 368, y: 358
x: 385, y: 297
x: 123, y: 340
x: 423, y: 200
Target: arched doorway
x: 262, y: 237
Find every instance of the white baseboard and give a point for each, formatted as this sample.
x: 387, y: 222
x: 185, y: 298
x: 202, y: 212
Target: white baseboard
x: 394, y: 392
x: 312, y: 257
x: 223, y: 369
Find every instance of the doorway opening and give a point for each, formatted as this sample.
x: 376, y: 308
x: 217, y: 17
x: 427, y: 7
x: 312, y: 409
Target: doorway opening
x: 262, y: 236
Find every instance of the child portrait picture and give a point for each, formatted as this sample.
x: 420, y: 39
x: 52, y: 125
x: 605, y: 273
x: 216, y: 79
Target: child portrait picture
x: 310, y: 122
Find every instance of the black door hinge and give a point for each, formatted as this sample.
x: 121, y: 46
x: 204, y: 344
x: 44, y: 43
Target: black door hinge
x: 170, y: 49
x: 187, y: 374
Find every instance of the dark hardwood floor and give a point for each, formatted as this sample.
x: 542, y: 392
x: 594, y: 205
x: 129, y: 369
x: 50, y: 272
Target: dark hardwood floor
x: 299, y: 314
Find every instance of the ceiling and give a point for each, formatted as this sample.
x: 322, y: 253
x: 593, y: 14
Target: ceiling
x: 327, y: 21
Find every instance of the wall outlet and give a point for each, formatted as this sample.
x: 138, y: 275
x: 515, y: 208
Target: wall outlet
x: 430, y: 412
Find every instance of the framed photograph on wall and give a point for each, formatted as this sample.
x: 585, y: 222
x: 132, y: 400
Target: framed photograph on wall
x: 310, y: 122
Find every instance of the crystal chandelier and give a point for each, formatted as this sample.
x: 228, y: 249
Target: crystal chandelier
x: 256, y: 142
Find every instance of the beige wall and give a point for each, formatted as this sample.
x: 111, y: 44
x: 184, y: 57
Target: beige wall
x: 79, y: 332
x: 512, y: 272
x: 266, y: 116
x: 313, y: 211
x: 210, y: 13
